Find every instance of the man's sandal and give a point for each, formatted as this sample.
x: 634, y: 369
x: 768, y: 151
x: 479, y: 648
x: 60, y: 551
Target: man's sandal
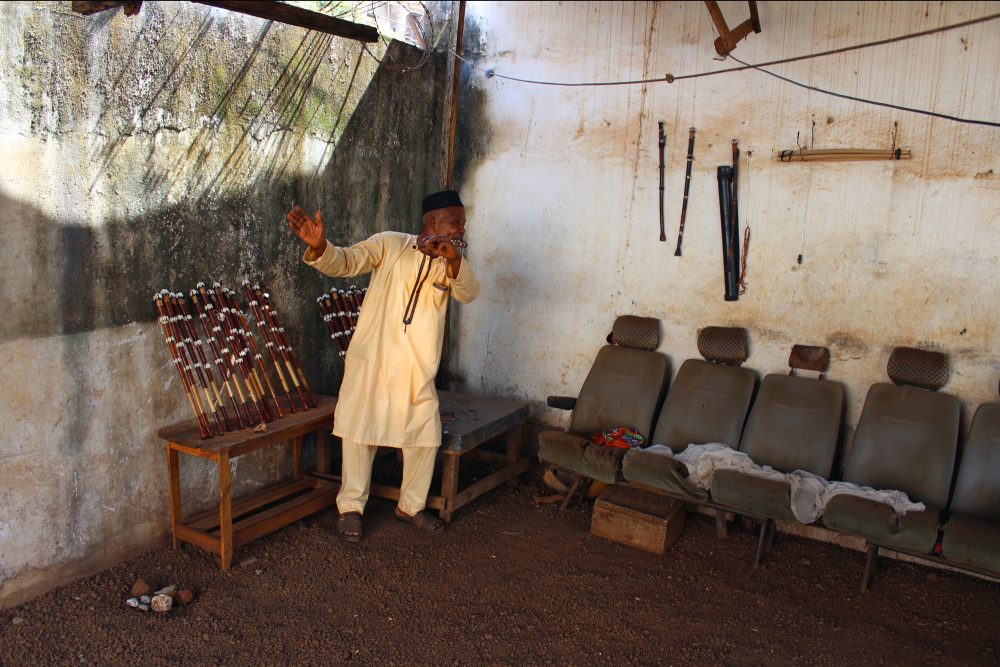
x: 421, y: 521
x: 349, y: 526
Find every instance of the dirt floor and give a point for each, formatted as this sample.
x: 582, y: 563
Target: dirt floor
x: 511, y: 583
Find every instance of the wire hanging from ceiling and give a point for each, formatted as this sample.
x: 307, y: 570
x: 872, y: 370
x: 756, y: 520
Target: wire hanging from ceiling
x: 670, y: 78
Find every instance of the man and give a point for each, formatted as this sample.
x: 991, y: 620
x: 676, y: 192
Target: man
x: 387, y: 397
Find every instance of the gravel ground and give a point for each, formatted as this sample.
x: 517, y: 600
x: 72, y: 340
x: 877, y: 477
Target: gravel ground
x: 511, y: 583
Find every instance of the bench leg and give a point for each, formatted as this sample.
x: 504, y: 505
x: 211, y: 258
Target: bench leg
x: 225, y: 512
x: 577, y: 480
x: 869, y: 567
x: 322, y: 451
x: 721, y: 529
x: 514, y: 450
x: 297, y: 457
x: 449, y: 486
x: 173, y: 471
x: 762, y: 543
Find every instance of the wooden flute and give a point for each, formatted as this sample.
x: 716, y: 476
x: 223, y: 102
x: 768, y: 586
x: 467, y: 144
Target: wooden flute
x: 422, y: 243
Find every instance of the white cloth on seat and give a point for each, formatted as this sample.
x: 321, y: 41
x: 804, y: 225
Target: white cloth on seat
x: 810, y: 493
x: 702, y: 461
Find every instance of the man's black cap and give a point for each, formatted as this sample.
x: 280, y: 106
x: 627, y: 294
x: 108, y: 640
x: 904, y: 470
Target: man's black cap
x: 442, y: 199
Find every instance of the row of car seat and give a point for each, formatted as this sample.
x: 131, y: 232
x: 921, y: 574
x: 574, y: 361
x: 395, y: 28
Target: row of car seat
x: 906, y: 440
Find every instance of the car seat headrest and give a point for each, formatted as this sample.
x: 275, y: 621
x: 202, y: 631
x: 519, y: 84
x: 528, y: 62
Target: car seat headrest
x: 641, y: 333
x: 918, y: 368
x: 810, y: 358
x: 723, y: 345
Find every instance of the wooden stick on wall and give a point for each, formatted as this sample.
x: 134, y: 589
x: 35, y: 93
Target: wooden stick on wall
x: 843, y: 154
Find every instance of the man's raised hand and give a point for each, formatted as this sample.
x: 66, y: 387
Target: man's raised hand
x: 309, y: 229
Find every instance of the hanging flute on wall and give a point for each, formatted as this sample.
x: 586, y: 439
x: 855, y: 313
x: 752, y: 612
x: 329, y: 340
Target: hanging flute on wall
x: 687, y: 187
x: 663, y: 143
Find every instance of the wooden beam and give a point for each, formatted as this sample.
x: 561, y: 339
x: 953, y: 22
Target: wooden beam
x: 303, y: 18
x: 88, y: 7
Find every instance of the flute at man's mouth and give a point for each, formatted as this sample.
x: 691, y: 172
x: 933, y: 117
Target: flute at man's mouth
x: 423, y: 243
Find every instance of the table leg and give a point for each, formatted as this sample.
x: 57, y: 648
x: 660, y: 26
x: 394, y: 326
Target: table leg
x: 513, y: 449
x: 449, y: 486
x: 297, y: 457
x: 225, y: 511
x: 322, y: 451
x: 173, y: 471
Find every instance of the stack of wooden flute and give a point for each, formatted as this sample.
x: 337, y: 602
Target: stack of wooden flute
x: 340, y: 309
x: 241, y: 375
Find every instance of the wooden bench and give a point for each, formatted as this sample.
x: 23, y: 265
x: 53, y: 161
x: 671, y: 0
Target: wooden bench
x: 233, y: 524
x: 476, y: 420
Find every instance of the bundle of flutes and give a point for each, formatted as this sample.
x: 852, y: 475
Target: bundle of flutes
x: 228, y: 336
x: 275, y: 340
x: 340, y: 309
x: 843, y: 154
x: 240, y: 373
x: 191, y: 368
x: 269, y: 320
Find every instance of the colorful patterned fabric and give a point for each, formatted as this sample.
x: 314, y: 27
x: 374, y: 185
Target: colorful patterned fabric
x: 621, y: 437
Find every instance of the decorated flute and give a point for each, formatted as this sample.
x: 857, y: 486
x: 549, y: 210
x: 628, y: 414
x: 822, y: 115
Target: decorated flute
x: 188, y: 348
x: 242, y: 347
x: 326, y: 309
x: 663, y: 143
x: 265, y: 335
x: 279, y: 332
x: 203, y: 427
x: 192, y: 334
x: 230, y: 348
x: 422, y: 242
x: 687, y: 188
x: 226, y: 371
x: 345, y: 311
x: 265, y: 310
x: 234, y: 307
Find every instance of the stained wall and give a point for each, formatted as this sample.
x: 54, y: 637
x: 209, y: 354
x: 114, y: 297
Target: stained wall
x: 152, y: 152
x: 562, y: 184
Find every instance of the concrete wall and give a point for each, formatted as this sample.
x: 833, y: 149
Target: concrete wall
x: 562, y: 186
x: 154, y: 152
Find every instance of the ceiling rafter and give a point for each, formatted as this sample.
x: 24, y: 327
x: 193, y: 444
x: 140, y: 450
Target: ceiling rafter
x: 272, y: 11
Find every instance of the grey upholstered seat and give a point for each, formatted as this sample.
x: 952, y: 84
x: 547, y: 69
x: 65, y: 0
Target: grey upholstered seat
x: 794, y: 425
x: 972, y: 533
x: 624, y: 388
x: 906, y: 440
x: 707, y: 402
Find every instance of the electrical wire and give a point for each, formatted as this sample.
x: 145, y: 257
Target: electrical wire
x: 899, y: 107
x: 670, y: 78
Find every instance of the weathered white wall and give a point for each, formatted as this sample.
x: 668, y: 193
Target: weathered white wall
x: 562, y: 186
x: 152, y: 152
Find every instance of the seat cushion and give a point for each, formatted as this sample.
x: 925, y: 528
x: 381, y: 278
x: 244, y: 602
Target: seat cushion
x: 753, y: 495
x: 662, y: 472
x: 706, y: 403
x: 794, y: 424
x: 977, y: 487
x: 623, y: 388
x: 973, y: 541
x: 880, y: 524
x: 579, y: 455
x: 906, y: 439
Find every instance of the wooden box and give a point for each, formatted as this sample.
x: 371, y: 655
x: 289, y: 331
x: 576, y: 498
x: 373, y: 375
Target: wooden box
x: 638, y: 518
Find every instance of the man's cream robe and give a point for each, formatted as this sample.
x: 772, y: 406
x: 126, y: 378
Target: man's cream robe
x: 387, y: 397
